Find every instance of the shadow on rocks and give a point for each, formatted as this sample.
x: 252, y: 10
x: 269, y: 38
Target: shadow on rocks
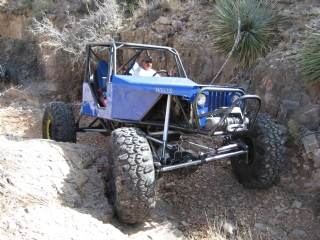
x: 83, y: 187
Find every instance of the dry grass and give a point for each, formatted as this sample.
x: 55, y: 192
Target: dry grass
x: 221, y: 228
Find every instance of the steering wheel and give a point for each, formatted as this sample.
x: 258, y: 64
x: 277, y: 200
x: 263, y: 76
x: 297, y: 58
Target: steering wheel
x: 161, y: 71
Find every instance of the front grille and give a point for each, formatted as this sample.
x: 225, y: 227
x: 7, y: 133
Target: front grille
x: 217, y: 100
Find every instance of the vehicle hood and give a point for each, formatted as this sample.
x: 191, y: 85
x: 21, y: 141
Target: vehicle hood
x: 160, y: 85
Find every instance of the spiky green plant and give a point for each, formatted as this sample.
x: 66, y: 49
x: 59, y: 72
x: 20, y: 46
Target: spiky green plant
x: 257, y: 28
x: 309, y: 62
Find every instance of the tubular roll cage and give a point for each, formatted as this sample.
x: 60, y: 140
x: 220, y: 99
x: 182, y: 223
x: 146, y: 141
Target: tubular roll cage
x: 114, y: 46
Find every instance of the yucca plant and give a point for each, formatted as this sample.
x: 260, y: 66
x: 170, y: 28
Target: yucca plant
x: 257, y: 28
x: 309, y: 62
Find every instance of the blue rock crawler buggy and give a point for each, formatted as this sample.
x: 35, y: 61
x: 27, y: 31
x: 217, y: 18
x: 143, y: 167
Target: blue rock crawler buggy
x: 155, y: 124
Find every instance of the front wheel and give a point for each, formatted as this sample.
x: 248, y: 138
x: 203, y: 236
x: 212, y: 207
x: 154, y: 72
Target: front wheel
x: 58, y: 123
x: 266, y: 152
x: 131, y: 186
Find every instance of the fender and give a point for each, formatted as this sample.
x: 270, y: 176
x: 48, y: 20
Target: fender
x: 127, y: 92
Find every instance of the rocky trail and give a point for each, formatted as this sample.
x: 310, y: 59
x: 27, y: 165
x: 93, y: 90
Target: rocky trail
x: 52, y: 190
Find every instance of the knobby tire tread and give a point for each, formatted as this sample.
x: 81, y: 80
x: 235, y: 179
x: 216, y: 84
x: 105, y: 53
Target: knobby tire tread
x: 131, y: 175
x: 268, y: 155
x: 63, y: 127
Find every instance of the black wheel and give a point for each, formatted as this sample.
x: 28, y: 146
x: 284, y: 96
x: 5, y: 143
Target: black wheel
x: 58, y: 123
x: 131, y: 186
x: 12, y: 77
x: 266, y: 155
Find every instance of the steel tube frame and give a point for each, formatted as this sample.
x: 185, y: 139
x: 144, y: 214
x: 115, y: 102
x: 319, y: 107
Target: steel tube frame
x: 200, y: 162
x: 166, y: 127
x: 158, y: 141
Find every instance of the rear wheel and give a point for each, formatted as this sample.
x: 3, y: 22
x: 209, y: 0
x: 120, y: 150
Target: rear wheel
x: 58, y: 123
x: 266, y: 155
x: 12, y: 76
x: 131, y: 186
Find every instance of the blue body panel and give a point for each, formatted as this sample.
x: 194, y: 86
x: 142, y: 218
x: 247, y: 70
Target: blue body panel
x: 159, y: 85
x: 90, y: 105
x: 130, y: 97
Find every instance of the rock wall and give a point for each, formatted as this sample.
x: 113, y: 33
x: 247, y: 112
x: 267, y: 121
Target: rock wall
x: 276, y: 78
x: 285, y: 96
x: 14, y: 24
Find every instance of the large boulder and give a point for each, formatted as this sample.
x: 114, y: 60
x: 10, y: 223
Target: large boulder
x: 53, y: 190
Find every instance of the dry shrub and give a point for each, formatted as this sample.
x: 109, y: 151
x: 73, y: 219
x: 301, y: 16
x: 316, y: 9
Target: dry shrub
x: 100, y: 25
x: 219, y: 228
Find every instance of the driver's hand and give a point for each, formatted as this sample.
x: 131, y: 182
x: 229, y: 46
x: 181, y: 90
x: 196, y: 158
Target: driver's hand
x: 173, y: 71
x: 163, y: 74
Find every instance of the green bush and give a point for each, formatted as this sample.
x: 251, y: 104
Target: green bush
x: 293, y: 130
x: 129, y: 5
x: 258, y: 27
x: 309, y: 62
x: 27, y: 3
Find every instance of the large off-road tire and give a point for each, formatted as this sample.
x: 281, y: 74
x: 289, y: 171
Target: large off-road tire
x: 12, y: 77
x: 131, y: 186
x: 58, y: 123
x: 266, y: 155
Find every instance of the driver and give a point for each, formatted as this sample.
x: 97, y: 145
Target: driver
x: 146, y: 70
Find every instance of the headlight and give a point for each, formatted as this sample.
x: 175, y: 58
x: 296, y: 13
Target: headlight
x: 201, y: 101
x: 235, y: 97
